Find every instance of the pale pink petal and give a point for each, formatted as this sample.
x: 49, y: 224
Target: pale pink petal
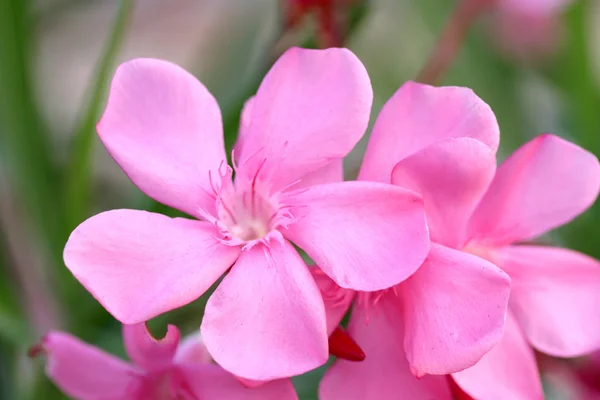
x: 266, y: 320
x: 508, y: 371
x: 452, y: 176
x: 337, y: 299
x: 192, y: 350
x: 384, y: 374
x: 544, y: 184
x: 85, y: 372
x: 455, y: 303
x: 364, y: 235
x: 147, y: 352
x: 139, y: 264
x: 419, y: 115
x: 555, y: 297
x: 311, y: 108
x: 332, y: 172
x: 211, y: 382
x: 164, y: 129
x: 534, y: 7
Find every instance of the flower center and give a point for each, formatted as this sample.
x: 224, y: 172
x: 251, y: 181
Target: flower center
x: 480, y: 251
x: 247, y: 211
x: 370, y: 300
x: 246, y: 215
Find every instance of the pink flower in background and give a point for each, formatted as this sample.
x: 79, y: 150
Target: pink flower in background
x: 266, y: 319
x: 160, y: 369
x: 528, y: 29
x: 450, y: 313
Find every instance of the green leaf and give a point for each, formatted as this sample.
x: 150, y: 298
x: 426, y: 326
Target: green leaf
x: 24, y: 142
x: 78, y: 179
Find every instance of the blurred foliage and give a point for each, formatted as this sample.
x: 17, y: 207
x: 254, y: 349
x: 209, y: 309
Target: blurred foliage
x: 55, y: 194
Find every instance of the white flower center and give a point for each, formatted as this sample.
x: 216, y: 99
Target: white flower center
x: 247, y: 210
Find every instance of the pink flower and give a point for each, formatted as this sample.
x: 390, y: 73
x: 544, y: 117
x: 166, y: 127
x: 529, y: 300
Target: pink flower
x: 555, y: 292
x: 451, y: 312
x: 160, y: 370
x: 266, y: 319
x: 528, y: 29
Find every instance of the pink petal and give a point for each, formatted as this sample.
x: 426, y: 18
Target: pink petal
x: 508, y: 371
x: 541, y: 8
x: 139, y: 264
x: 419, y: 115
x: 555, y: 298
x: 544, y: 184
x: 164, y: 129
x: 364, y: 235
x: 211, y: 382
x: 331, y: 172
x: 145, y: 351
x: 312, y: 107
x: 384, y: 374
x: 266, y: 320
x: 337, y: 299
x: 455, y: 303
x: 85, y: 372
x: 452, y: 176
x: 192, y: 350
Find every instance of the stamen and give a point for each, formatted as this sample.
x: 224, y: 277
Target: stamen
x: 253, y: 185
x: 212, y: 185
x: 235, y: 167
x: 206, y: 215
x: 228, y: 210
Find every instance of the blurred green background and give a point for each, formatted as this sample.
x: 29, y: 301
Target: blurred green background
x: 57, y: 58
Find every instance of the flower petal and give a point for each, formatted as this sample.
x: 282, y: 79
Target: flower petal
x: 211, y: 382
x: 192, y: 350
x: 164, y: 129
x: 555, y: 298
x: 331, y: 172
x: 312, y: 107
x: 539, y: 8
x: 508, y: 371
x: 456, y: 303
x: 452, y: 176
x: 544, y: 184
x: 139, y: 264
x: 145, y: 351
x: 419, y: 115
x: 364, y: 235
x: 384, y: 373
x: 337, y: 299
x: 85, y: 372
x: 266, y: 320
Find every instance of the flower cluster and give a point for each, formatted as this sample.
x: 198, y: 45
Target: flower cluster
x: 429, y: 249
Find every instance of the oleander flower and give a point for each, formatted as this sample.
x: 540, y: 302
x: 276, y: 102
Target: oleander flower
x: 449, y: 315
x: 266, y: 318
x: 160, y: 369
